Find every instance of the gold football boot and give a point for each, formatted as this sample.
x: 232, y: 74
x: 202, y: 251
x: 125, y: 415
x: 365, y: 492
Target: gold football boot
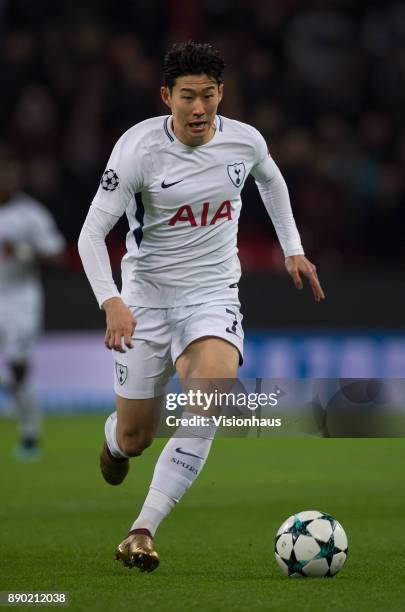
x: 137, y: 551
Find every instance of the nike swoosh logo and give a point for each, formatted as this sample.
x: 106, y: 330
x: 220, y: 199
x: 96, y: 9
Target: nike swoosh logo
x: 166, y: 185
x: 182, y: 452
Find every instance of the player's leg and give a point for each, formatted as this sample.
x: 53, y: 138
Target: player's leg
x: 28, y: 411
x: 186, y: 452
x: 128, y: 432
x: 140, y: 375
x: 207, y: 360
x: 20, y: 323
x: 183, y: 457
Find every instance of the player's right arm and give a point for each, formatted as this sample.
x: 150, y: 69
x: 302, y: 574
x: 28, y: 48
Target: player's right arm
x: 120, y: 322
x: 124, y: 176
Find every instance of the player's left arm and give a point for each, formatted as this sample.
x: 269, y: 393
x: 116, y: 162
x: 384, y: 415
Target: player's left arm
x: 275, y: 196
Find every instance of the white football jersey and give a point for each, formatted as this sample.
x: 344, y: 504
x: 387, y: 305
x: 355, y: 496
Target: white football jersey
x: 183, y: 204
x: 27, y: 226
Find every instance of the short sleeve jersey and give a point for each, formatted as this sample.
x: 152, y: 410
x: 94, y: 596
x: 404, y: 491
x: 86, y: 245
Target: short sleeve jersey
x: 183, y: 205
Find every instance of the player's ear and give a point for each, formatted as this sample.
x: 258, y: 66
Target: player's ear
x: 220, y: 92
x: 166, y: 96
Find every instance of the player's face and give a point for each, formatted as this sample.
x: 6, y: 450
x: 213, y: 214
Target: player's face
x: 193, y: 101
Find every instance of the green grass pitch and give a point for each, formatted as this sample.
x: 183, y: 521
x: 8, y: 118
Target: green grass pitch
x: 60, y: 523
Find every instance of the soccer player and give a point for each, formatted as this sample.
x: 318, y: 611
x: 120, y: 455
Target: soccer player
x: 28, y: 236
x: 178, y: 178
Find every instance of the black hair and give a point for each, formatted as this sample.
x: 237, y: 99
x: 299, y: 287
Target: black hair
x: 192, y: 58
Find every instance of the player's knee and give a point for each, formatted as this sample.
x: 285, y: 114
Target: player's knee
x: 135, y: 442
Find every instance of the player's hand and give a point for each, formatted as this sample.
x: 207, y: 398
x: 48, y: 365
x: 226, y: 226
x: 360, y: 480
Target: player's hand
x: 121, y: 324
x: 297, y: 264
x: 20, y: 250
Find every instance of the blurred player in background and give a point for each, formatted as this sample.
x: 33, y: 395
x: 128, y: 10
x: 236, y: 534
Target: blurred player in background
x: 178, y: 179
x: 28, y: 237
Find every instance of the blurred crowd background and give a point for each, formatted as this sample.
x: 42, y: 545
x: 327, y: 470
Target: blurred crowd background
x: 324, y: 82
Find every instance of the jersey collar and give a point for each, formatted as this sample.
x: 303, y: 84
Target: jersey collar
x: 167, y: 126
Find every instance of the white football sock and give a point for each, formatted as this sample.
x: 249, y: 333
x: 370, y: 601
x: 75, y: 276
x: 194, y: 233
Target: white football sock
x: 110, y: 429
x: 28, y: 410
x: 179, y: 464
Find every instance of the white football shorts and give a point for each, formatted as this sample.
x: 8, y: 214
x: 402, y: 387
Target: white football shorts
x: 20, y: 326
x: 161, y: 336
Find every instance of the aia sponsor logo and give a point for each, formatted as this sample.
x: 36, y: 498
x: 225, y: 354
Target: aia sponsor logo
x: 185, y: 214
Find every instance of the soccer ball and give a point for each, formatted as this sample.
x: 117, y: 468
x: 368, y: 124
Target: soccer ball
x: 311, y: 543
